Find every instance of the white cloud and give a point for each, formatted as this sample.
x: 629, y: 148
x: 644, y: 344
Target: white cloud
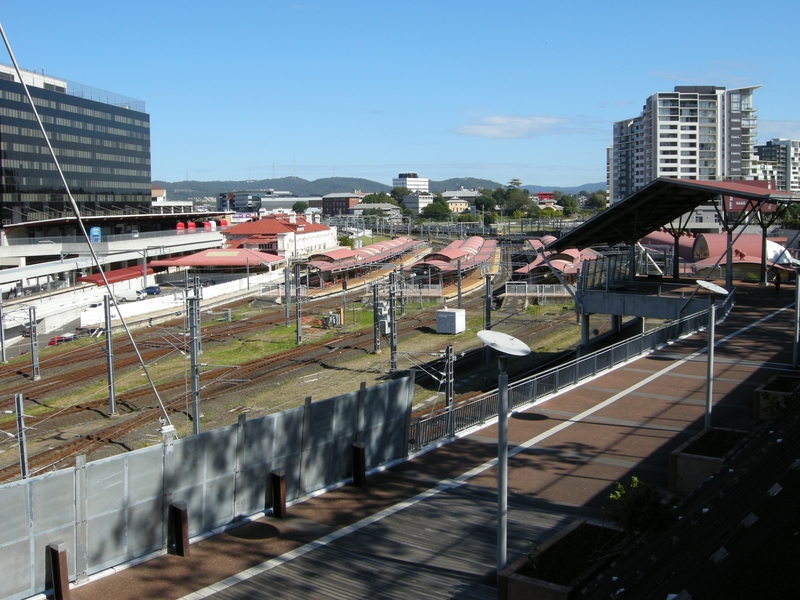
x: 512, y: 127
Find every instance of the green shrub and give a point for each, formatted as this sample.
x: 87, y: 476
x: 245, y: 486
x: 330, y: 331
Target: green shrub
x: 639, y: 509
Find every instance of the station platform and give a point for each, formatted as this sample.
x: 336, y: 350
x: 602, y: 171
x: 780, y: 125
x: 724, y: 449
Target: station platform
x: 426, y: 527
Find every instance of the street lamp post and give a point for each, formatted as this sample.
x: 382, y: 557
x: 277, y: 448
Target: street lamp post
x: 713, y: 289
x: 506, y: 346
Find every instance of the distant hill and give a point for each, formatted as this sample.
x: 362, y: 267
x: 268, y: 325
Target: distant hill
x: 456, y: 183
x: 586, y: 187
x: 183, y: 190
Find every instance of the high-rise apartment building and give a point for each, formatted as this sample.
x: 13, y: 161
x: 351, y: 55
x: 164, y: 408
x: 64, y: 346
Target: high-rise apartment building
x: 779, y: 161
x: 102, y: 141
x: 693, y: 132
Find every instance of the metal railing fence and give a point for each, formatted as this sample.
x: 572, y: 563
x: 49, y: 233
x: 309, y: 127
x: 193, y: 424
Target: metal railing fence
x: 538, y: 387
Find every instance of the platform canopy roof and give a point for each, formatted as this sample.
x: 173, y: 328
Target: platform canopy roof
x: 115, y: 276
x: 220, y: 257
x: 656, y: 205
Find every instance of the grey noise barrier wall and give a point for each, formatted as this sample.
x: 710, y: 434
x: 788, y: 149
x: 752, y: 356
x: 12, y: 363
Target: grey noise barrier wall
x: 111, y: 511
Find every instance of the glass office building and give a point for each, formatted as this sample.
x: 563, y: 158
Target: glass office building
x: 101, y: 139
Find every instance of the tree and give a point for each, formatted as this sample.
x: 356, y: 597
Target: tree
x: 514, y: 183
x: 399, y: 193
x: 377, y: 198
x: 598, y: 200
x: 436, y: 211
x: 517, y: 200
x: 484, y: 205
x: 569, y: 204
x: 549, y: 213
x: 299, y: 207
x: 346, y: 240
x: 791, y: 217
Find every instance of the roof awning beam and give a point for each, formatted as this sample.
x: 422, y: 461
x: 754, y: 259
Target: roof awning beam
x: 561, y: 280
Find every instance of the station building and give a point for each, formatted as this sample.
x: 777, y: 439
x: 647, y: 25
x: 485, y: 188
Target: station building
x: 102, y: 141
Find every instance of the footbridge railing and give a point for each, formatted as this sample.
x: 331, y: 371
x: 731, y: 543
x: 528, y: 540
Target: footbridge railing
x: 539, y: 387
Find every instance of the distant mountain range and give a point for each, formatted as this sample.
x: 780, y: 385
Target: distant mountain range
x: 183, y: 190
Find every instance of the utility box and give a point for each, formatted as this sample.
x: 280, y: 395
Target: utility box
x: 451, y: 320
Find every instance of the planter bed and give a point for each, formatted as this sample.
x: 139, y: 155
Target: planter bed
x: 774, y: 396
x: 562, y: 566
x: 702, y: 456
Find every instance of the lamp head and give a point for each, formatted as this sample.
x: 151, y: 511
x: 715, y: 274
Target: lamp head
x: 712, y: 287
x: 504, y: 343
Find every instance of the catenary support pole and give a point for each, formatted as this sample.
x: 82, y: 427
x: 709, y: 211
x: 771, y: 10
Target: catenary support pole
x: 23, y: 448
x: 376, y: 321
x: 449, y: 389
x: 344, y: 305
x: 487, y: 322
x: 35, y: 373
x: 112, y: 399
x: 3, y: 358
x: 193, y: 312
x: 401, y: 284
x: 459, y: 282
x: 287, y: 293
x: 392, y: 323
x: 299, y: 337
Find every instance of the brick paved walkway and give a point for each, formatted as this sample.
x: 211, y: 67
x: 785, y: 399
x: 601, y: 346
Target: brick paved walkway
x: 426, y: 527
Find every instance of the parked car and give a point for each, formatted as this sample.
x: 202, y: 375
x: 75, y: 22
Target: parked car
x: 152, y: 290
x: 131, y: 296
x: 62, y: 339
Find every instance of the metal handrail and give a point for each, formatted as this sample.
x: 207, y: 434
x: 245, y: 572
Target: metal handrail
x: 535, y: 388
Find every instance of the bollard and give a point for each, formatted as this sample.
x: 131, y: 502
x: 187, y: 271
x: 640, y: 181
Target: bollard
x: 278, y: 479
x: 359, y: 465
x: 57, y: 554
x: 179, y: 527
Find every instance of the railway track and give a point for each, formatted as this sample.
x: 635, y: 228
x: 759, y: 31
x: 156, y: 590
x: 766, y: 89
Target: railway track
x: 139, y: 404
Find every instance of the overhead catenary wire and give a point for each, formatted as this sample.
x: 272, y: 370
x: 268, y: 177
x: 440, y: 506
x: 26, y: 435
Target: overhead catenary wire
x: 81, y: 226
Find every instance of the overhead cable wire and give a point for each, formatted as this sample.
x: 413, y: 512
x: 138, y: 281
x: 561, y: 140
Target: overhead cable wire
x: 81, y: 225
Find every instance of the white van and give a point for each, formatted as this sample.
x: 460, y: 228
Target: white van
x: 131, y: 296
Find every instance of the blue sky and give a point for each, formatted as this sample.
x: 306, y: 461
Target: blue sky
x: 499, y: 90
